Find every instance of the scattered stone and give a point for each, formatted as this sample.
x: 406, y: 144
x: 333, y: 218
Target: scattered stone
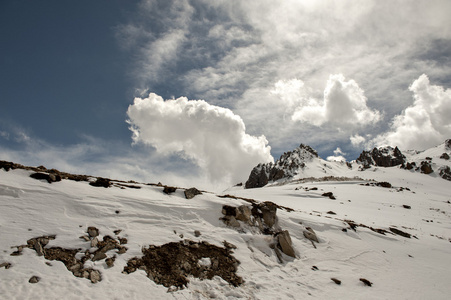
x: 406, y: 206
x: 172, y: 263
x: 34, y: 279
x: 444, y: 156
x: 331, y: 212
x: 123, y: 241
x: 101, y: 182
x: 99, y: 255
x: 6, y: 265
x: 366, y: 282
x: 228, y: 245
x: 197, y: 233
x: 315, y: 268
x: 85, y: 237
x: 344, y: 230
x: 94, y: 276
x: 384, y: 184
x: 336, y: 281
x: 330, y: 195
x: 310, y: 234
x: 169, y: 189
x: 110, y: 261
x: 445, y: 172
x: 116, y: 232
x: 94, y: 242
x: 93, y: 231
x: 192, y: 192
x: 400, y: 232
x: 117, y: 211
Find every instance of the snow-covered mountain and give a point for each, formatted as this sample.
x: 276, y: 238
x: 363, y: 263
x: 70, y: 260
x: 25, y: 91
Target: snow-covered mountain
x: 305, y: 162
x: 316, y: 229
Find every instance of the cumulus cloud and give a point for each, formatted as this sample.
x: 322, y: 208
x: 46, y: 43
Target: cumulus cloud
x: 212, y: 136
x: 338, y: 155
x: 425, y: 123
x: 357, y: 140
x: 344, y: 103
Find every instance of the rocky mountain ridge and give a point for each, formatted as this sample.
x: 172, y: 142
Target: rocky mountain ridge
x: 293, y: 163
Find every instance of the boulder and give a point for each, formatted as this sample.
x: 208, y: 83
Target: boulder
x: 191, y: 193
x: 169, y: 189
x: 92, y: 231
x: 48, y: 177
x: 34, y: 279
x: 445, y: 173
x: 444, y: 156
x: 426, y: 167
x: 285, y: 244
x: 310, y: 234
x: 101, y: 182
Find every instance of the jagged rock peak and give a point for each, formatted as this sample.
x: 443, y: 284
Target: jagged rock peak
x: 286, y: 166
x: 382, y: 157
x: 448, y: 144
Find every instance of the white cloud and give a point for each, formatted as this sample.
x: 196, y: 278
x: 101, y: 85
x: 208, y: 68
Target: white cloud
x: 357, y: 140
x: 343, y: 104
x: 424, y: 124
x: 212, y: 136
x: 338, y: 155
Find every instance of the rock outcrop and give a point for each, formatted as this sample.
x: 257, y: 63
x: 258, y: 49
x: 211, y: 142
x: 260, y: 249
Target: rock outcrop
x: 287, y: 166
x: 381, y: 157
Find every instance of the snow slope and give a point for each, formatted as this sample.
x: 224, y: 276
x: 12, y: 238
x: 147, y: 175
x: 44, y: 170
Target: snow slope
x: 398, y: 267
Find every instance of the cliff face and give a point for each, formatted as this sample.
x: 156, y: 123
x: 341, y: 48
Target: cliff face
x: 381, y: 157
x: 286, y: 166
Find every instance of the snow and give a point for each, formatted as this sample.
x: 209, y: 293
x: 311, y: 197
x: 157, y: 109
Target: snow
x: 398, y: 267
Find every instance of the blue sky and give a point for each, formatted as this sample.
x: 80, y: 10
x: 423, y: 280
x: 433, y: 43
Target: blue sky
x: 220, y: 85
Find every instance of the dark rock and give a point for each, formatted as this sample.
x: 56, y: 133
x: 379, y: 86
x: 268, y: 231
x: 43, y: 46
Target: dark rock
x: 400, y: 232
x: 344, y: 230
x: 426, y: 167
x: 117, y: 231
x: 406, y: 206
x: 228, y: 210
x: 171, y: 264
x: 6, y: 265
x: 448, y: 144
x: 329, y: 194
x: 169, y: 189
x: 331, y: 212
x: 94, y: 276
x: 310, y: 234
x: 34, y: 279
x: 384, y: 184
x: 48, y: 177
x: 93, y: 231
x: 444, y: 156
x: 101, y: 182
x: 285, y: 244
x: 366, y: 282
x: 110, y: 261
x: 197, y: 233
x: 268, y: 210
x: 288, y: 165
x: 191, y: 193
x: 336, y: 281
x: 123, y: 241
x: 410, y: 166
x: 445, y: 173
x: 381, y: 157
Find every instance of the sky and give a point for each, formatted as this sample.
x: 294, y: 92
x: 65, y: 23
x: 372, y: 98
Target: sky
x: 198, y: 92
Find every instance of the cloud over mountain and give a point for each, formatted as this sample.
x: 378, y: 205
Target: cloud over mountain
x: 423, y: 124
x: 214, y: 137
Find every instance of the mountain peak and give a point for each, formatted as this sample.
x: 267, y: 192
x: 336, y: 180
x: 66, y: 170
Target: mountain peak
x: 288, y: 165
x: 386, y: 156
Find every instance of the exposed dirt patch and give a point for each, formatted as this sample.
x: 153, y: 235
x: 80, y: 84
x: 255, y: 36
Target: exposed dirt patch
x: 171, y: 264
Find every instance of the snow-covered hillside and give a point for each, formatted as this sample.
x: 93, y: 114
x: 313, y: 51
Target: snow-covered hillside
x: 390, y: 227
